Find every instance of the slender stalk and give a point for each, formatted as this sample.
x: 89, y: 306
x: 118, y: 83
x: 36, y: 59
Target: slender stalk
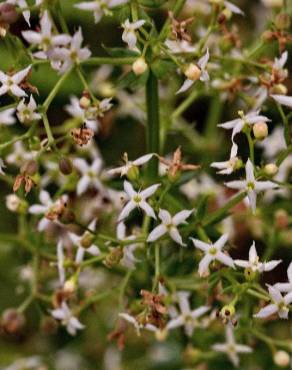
x: 185, y: 104
x: 251, y: 146
x: 152, y: 104
x: 286, y: 125
x: 48, y: 129
x: 95, y: 61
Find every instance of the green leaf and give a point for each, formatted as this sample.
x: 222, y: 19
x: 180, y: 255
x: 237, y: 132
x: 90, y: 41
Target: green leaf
x: 202, y: 207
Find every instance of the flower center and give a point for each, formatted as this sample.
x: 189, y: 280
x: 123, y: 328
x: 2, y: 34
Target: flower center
x: 137, y: 198
x: 250, y: 185
x: 213, y: 251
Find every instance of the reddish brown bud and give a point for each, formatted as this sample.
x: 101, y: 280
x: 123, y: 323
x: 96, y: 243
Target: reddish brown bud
x: 12, y: 321
x: 65, y: 166
x: 8, y: 13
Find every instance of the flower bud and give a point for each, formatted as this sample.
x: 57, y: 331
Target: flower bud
x: 65, y: 166
x: 193, y: 72
x: 260, y: 130
x: 281, y: 358
x: 87, y: 240
x: 69, y: 286
x: 227, y: 13
x: 273, y: 3
x: 227, y: 311
x: 271, y: 169
x: 13, y: 202
x: 12, y: 321
x: 139, y: 66
x: 3, y: 30
x: 8, y: 13
x: 281, y: 219
x: 84, y: 102
x: 161, y: 335
x: 279, y: 89
x: 133, y: 173
x: 282, y: 21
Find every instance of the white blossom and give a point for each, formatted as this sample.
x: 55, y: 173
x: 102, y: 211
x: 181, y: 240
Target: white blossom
x: 81, y: 243
x: 204, y: 76
x: 27, y: 112
x: 188, y: 318
x: 65, y: 315
x: 169, y: 225
x: 138, y: 200
x: 286, y: 287
x: 233, y: 8
x: 226, y: 167
x: 283, y: 100
x: 213, y: 251
x: 19, y: 155
x: 60, y: 262
x: 238, y: 124
x: 231, y: 348
x: 254, y: 263
x: 251, y: 185
x: 123, y: 170
x: 10, y: 84
x: 279, y: 304
x: 87, y: 116
x: 7, y: 117
x: 89, y: 174
x: 99, y: 7
x: 179, y: 46
x: 129, y: 35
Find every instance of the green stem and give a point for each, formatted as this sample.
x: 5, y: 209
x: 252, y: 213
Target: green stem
x: 286, y: 124
x: 152, y: 104
x: 185, y: 104
x: 251, y: 146
x: 94, y: 61
x: 48, y: 129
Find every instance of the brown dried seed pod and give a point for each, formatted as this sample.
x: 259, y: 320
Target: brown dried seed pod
x: 8, y: 13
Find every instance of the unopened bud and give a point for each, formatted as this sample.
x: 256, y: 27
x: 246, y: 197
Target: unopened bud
x: 30, y: 168
x: 87, y: 240
x: 281, y: 358
x: 133, y: 173
x: 227, y: 311
x: 69, y: 286
x: 281, y: 219
x: 279, y: 89
x: 271, y: 169
x: 13, y: 202
x: 139, y: 66
x: 193, y: 72
x: 282, y: 21
x: 260, y: 130
x: 65, y: 166
x: 12, y: 321
x: 8, y: 13
x: 84, y: 102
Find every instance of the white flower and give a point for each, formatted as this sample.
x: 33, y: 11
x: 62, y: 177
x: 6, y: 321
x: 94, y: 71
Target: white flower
x: 226, y: 167
x: 202, y: 73
x: 129, y: 35
x: 87, y: 116
x: 233, y: 8
x: 89, y: 174
x: 283, y: 99
x: 212, y: 252
x: 84, y: 243
x: 286, y: 287
x: 238, y: 124
x: 169, y: 225
x: 129, y: 260
x: 123, y: 170
x: 26, y: 112
x: 22, y: 5
x: 99, y: 7
x: 253, y: 262
x: 279, y: 304
x: 46, y: 208
x: 60, y: 262
x: 279, y: 63
x: 19, y: 155
x: 251, y: 185
x: 62, y: 59
x: 33, y: 362
x: 138, y: 326
x: 65, y: 315
x: 10, y: 83
x: 187, y: 318
x: 179, y: 46
x: 7, y: 117
x: 45, y: 39
x: 138, y: 200
x: 231, y: 348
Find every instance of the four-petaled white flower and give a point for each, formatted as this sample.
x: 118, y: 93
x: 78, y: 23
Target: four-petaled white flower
x: 65, y: 315
x: 231, y: 348
x: 137, y: 325
x: 27, y: 112
x: 236, y: 125
x: 90, y: 174
x: 169, y: 225
x: 62, y: 59
x: 286, y: 287
x: 251, y: 185
x: 201, y: 73
x: 7, y: 117
x: 87, y: 116
x: 123, y: 170
x: 45, y: 39
x: 129, y: 35
x: 188, y: 318
x: 10, y: 84
x: 279, y: 304
x: 253, y: 262
x: 137, y: 199
x: 213, y: 251
x: 283, y: 100
x: 99, y: 7
x: 226, y: 167
x: 84, y: 243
